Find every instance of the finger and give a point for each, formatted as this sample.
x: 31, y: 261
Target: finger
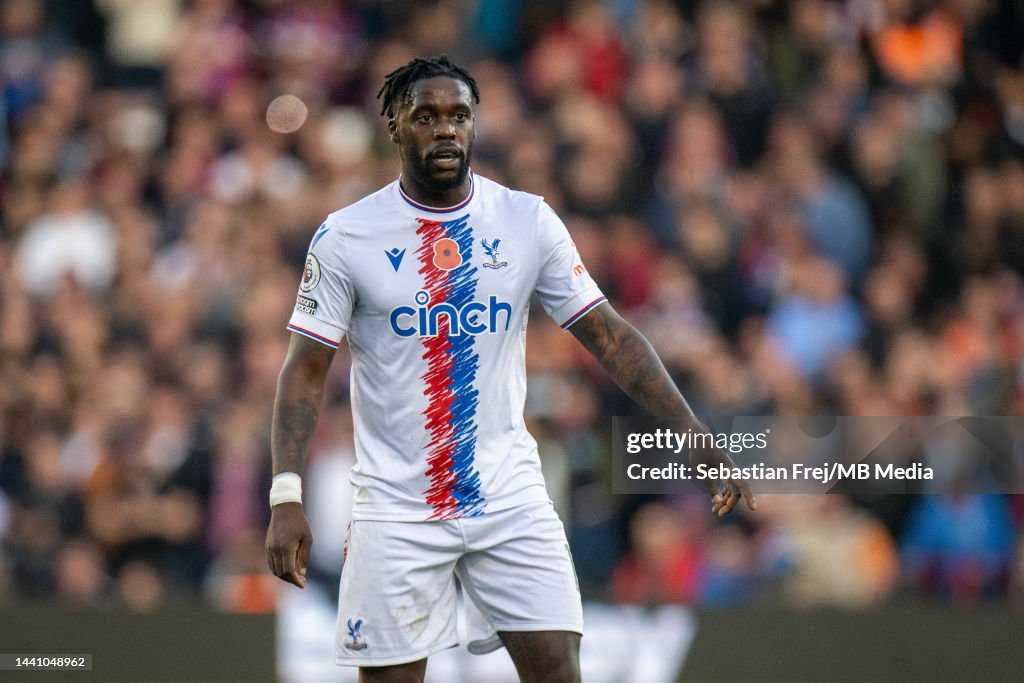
x: 721, y: 494
x: 299, y: 573
x: 730, y: 503
x: 270, y: 558
x: 302, y: 552
x: 305, y: 551
x: 749, y: 495
x: 279, y: 570
x: 288, y: 571
x: 716, y: 502
x: 723, y: 509
x: 275, y: 564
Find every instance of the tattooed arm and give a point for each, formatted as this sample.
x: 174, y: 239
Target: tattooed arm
x: 632, y: 362
x: 300, y: 388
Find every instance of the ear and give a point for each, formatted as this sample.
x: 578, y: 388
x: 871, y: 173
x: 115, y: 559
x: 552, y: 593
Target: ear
x: 393, y: 129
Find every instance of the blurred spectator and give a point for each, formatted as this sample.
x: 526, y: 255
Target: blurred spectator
x: 81, y: 576
x: 26, y: 44
x: 841, y: 556
x: 663, y: 564
x: 311, y: 47
x: 919, y: 43
x: 213, y: 50
x: 730, y: 571
x: 959, y: 545
x: 46, y: 512
x: 236, y: 479
x: 727, y: 68
x: 74, y: 240
x: 816, y: 319
x: 983, y: 343
x: 581, y: 51
x: 140, y: 37
x: 140, y: 587
x: 798, y: 50
x: 897, y: 164
x: 237, y: 580
x: 836, y: 218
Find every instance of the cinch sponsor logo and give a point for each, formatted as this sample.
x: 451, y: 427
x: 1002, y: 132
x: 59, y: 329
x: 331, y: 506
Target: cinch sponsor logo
x: 424, y: 320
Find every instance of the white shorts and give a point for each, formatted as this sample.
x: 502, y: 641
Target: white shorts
x: 399, y: 584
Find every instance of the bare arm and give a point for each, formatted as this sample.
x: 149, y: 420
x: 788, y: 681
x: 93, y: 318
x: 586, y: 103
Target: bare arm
x: 632, y: 362
x: 300, y: 388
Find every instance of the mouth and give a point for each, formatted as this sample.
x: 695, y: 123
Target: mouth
x: 446, y: 158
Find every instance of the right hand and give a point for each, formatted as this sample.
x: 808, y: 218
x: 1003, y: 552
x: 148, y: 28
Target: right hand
x: 289, y: 542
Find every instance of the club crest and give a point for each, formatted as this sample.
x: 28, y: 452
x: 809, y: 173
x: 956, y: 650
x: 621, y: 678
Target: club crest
x: 356, y: 640
x: 492, y: 251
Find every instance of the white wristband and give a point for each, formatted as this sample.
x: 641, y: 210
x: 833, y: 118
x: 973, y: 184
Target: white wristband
x: 286, y: 488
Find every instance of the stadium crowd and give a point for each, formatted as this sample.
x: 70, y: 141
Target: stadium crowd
x: 813, y: 206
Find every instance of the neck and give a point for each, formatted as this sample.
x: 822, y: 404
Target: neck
x: 440, y: 200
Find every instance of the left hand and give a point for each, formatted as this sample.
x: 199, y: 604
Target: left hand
x: 728, y: 495
x: 725, y: 493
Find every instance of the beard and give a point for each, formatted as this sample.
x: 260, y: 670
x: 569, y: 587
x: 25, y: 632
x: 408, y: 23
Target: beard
x: 420, y: 170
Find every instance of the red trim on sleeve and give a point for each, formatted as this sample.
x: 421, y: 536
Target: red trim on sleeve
x: 583, y: 311
x: 314, y: 335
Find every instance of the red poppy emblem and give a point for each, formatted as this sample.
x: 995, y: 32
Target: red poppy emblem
x: 446, y: 254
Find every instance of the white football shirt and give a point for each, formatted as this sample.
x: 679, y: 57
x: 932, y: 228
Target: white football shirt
x: 434, y: 303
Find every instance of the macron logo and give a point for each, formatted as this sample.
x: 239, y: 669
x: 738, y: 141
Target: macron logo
x: 395, y: 256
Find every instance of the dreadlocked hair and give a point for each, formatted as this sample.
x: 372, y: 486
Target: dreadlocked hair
x: 399, y: 82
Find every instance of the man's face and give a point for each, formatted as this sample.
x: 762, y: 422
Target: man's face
x: 434, y: 131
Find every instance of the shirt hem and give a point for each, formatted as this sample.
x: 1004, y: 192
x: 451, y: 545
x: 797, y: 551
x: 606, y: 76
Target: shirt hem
x: 425, y: 514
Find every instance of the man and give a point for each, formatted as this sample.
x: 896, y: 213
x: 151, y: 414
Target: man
x: 431, y: 278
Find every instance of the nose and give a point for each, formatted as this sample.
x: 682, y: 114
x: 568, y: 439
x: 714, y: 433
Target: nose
x: 445, y: 129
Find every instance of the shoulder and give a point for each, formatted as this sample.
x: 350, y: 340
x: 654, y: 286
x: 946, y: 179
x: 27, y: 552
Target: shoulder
x: 522, y: 203
x: 529, y: 211
x: 367, y: 210
x: 363, y: 216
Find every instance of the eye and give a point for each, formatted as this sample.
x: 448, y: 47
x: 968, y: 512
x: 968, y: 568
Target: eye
x: 461, y: 117
x: 424, y: 118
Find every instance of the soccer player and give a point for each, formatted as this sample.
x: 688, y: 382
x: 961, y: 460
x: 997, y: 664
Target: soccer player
x: 430, y: 279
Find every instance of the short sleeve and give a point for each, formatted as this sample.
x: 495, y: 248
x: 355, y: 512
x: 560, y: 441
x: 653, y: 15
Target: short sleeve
x: 564, y: 286
x: 323, y: 307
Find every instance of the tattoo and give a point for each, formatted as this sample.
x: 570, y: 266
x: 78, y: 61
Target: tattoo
x: 296, y: 407
x: 293, y: 429
x: 631, y: 361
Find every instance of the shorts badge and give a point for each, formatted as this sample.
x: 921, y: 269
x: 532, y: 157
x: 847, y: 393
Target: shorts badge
x: 356, y: 640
